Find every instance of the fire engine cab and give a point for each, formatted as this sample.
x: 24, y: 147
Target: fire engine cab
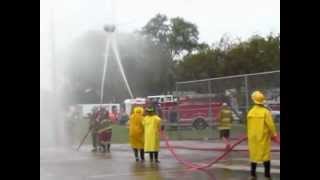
x: 187, y: 111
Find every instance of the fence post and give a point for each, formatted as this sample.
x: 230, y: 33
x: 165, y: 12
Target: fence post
x: 247, y: 92
x: 178, y: 109
x: 210, y: 100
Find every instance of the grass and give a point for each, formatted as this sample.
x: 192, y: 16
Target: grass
x: 190, y: 133
x: 120, y: 133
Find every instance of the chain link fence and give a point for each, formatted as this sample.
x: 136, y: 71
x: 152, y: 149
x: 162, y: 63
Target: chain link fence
x: 200, y: 101
x: 233, y: 90
x: 193, y: 112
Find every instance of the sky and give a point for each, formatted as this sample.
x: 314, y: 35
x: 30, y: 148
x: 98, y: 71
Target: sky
x: 214, y: 18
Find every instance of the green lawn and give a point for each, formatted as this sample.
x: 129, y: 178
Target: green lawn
x: 120, y: 133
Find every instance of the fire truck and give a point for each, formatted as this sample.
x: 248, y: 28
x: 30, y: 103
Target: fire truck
x: 197, y: 111
x: 162, y: 101
x: 187, y: 111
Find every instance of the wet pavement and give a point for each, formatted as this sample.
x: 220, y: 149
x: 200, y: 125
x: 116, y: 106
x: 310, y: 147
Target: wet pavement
x: 119, y: 164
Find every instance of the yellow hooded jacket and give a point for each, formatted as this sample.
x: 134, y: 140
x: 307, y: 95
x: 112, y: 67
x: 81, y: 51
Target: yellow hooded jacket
x: 260, y: 129
x: 152, y: 125
x: 136, y: 137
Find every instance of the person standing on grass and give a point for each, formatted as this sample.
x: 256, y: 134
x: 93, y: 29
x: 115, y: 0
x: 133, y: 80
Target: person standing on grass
x: 136, y: 137
x: 152, y: 127
x: 104, y: 130
x: 93, y: 125
x: 260, y: 129
x: 225, y: 119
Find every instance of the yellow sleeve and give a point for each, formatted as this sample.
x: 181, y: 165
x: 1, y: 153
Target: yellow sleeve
x: 143, y: 121
x: 270, y: 123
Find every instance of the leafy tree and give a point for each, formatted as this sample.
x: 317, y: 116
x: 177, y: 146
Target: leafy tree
x: 184, y: 36
x: 173, y: 38
x: 257, y: 54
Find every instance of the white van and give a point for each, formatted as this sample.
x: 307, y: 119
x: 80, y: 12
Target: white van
x: 129, y: 103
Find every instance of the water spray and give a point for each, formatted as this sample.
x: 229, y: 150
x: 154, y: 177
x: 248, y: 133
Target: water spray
x: 111, y: 41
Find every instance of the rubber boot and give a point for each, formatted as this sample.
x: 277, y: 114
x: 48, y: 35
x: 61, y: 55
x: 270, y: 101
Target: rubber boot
x: 108, y: 147
x: 156, y: 157
x: 103, y: 148
x: 142, y: 155
x: 151, y: 156
x: 136, y: 154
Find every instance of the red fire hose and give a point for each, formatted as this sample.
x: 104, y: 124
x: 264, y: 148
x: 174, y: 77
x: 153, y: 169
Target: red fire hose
x: 212, y: 161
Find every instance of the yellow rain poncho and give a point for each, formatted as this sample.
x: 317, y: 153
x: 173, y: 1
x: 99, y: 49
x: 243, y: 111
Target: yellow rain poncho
x: 136, y: 137
x: 225, y: 119
x: 261, y: 129
x: 152, y: 124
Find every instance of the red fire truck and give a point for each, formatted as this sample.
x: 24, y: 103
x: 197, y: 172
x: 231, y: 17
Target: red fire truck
x: 198, y: 112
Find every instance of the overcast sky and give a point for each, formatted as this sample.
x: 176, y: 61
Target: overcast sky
x: 214, y: 18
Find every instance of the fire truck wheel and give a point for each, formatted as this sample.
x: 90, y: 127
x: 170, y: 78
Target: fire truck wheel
x: 200, y: 124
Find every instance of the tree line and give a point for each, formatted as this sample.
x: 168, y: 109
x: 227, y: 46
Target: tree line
x: 159, y: 54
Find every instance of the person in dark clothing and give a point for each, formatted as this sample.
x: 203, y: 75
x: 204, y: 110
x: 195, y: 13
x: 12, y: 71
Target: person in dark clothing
x: 93, y: 125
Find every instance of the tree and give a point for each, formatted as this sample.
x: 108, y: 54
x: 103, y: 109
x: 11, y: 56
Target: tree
x: 183, y: 36
x: 172, y: 39
x: 257, y: 54
x: 175, y: 36
x: 157, y: 29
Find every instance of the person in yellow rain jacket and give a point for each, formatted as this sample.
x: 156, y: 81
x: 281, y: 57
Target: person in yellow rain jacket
x: 136, y: 137
x: 224, y: 121
x: 260, y: 129
x: 152, y: 126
